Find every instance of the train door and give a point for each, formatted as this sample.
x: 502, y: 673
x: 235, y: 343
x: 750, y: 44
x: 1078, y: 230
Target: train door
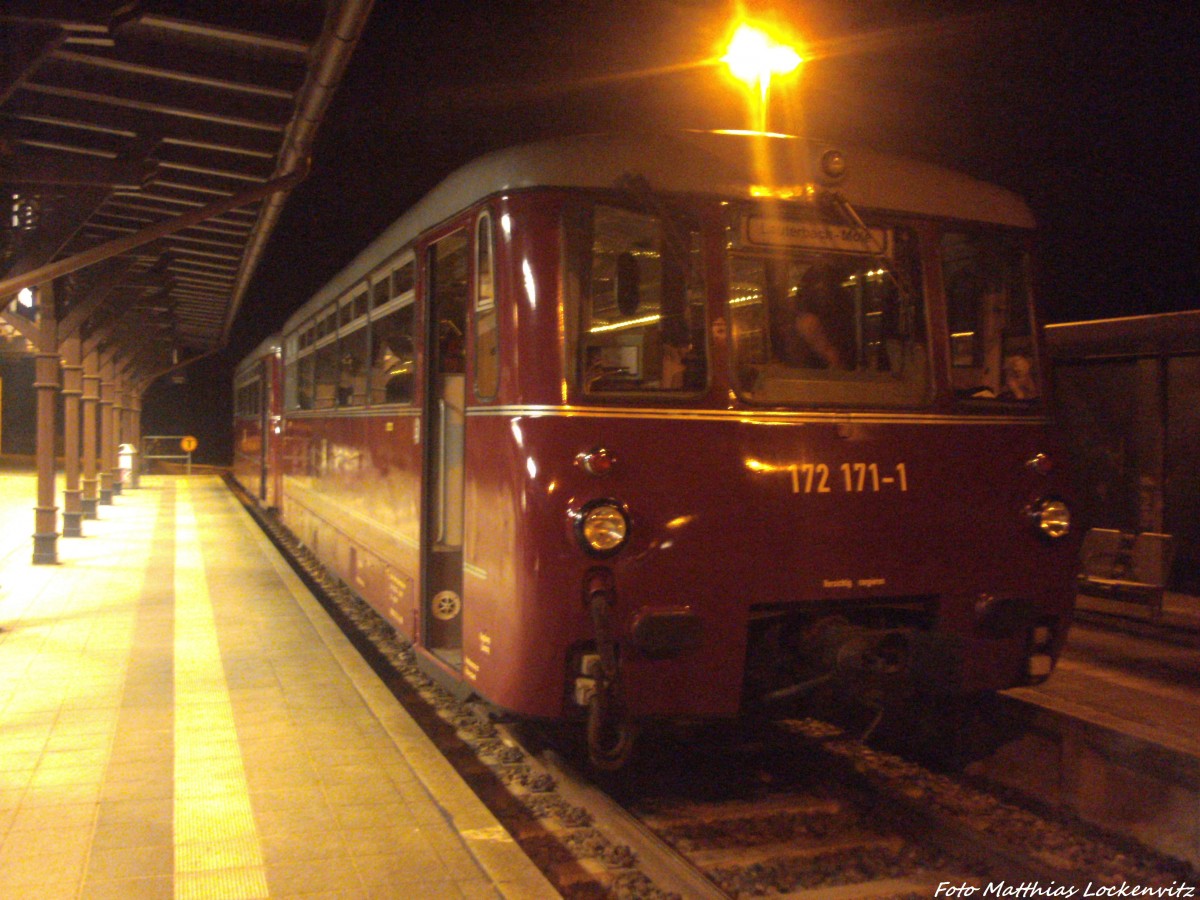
x: 264, y: 428
x: 445, y: 404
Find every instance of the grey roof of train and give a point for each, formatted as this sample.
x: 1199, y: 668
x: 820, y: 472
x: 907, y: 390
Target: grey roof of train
x: 719, y: 164
x: 269, y: 345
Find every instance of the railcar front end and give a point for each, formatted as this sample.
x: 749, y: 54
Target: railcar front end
x: 645, y: 431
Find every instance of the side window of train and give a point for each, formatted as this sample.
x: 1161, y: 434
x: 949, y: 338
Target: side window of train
x: 327, y: 363
x: 991, y: 329
x: 642, y: 324
x: 393, y: 348
x: 487, y: 337
x: 352, y: 351
x: 291, y: 374
x: 298, y: 376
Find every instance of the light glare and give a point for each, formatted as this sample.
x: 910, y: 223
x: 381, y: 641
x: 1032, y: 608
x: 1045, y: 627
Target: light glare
x: 753, y: 56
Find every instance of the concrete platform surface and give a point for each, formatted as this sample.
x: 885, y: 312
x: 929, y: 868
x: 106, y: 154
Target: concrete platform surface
x: 180, y: 719
x: 1114, y: 735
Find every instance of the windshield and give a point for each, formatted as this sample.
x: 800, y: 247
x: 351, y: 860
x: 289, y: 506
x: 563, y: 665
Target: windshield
x: 991, y: 329
x: 818, y: 313
x: 642, y: 323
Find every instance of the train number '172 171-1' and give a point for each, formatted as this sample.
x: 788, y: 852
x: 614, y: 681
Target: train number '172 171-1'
x: 851, y: 478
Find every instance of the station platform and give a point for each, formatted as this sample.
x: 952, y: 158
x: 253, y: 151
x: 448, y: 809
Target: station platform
x: 1113, y: 737
x: 179, y: 718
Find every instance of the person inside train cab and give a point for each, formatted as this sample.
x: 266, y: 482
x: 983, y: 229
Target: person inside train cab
x: 1019, y: 383
x: 682, y: 368
x: 822, y: 321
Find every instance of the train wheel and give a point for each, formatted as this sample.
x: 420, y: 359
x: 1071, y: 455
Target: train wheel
x: 610, y: 739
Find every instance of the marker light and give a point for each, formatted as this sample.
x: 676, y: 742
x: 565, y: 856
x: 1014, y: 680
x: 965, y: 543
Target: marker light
x: 1041, y: 463
x: 597, y: 462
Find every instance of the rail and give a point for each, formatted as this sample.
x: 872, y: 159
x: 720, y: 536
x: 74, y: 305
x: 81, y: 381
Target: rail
x: 156, y: 446
x: 1134, y: 568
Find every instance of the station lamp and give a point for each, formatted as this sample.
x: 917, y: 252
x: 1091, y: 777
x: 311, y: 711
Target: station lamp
x: 754, y: 58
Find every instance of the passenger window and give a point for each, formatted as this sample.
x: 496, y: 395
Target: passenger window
x: 352, y: 352
x: 326, y: 365
x: 379, y: 293
x: 487, y: 343
x: 393, y: 364
x: 404, y: 279
x: 643, y: 321
x: 304, y: 381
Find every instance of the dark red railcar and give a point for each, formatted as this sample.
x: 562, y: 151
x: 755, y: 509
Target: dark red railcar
x: 667, y: 427
x: 257, y: 421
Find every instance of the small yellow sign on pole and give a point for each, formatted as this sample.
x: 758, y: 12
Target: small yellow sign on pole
x: 189, y: 444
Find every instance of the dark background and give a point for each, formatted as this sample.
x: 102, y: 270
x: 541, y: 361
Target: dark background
x: 1088, y: 110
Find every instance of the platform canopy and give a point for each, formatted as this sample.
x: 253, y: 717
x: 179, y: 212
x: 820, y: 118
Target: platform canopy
x: 146, y: 150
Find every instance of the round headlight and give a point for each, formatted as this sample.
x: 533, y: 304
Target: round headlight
x: 603, y: 527
x: 1053, y: 518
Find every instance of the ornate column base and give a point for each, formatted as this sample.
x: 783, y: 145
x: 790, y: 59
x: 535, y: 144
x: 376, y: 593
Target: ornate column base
x: 72, y: 514
x: 45, y: 539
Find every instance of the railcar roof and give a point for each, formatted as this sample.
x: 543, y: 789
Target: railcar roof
x: 266, y: 347
x: 726, y: 164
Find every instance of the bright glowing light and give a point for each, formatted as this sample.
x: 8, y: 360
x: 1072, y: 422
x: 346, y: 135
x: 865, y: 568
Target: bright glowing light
x: 25, y: 298
x: 628, y: 323
x: 753, y: 56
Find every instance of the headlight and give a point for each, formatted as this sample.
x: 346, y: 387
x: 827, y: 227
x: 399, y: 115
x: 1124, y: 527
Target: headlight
x: 602, y: 527
x: 1052, y: 517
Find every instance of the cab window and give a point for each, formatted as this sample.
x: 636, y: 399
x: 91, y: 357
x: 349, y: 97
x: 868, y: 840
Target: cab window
x: 992, y: 346
x: 641, y: 324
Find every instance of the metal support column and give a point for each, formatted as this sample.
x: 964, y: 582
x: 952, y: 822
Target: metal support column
x: 72, y: 392
x: 135, y: 433
x: 91, y: 402
x: 108, y: 447
x: 45, y: 527
x: 118, y: 430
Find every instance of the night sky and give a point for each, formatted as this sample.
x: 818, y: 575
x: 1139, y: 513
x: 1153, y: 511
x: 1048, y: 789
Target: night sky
x: 1088, y: 110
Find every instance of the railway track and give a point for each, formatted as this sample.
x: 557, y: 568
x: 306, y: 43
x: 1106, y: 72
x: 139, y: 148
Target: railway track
x: 797, y: 809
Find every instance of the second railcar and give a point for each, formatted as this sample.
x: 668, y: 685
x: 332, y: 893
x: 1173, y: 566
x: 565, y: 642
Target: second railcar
x: 257, y: 422
x: 665, y: 427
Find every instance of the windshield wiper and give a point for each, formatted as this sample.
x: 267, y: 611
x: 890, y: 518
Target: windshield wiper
x: 894, y: 273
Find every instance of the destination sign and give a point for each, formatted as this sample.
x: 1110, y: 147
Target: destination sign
x: 805, y: 235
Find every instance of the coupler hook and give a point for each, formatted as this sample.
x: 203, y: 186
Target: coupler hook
x: 610, y: 736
